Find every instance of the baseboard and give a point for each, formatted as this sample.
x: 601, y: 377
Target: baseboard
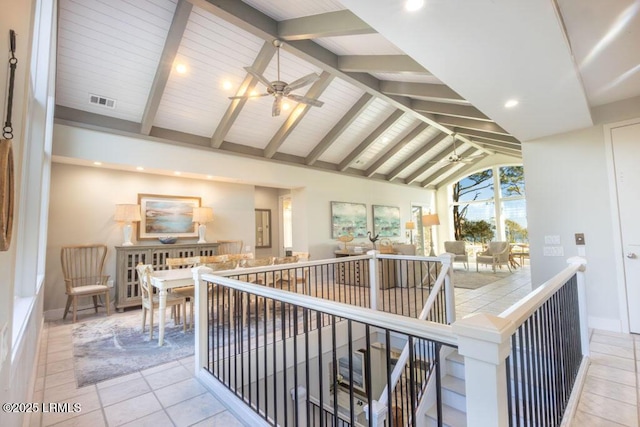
x: 574, y: 398
x: 236, y: 406
x: 57, y: 313
x: 612, y: 325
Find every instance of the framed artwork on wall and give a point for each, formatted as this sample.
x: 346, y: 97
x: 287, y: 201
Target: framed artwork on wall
x: 348, y: 219
x: 386, y: 221
x: 165, y: 216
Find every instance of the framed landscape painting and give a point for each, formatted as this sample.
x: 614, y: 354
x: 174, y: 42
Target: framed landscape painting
x: 348, y: 219
x: 164, y: 216
x: 386, y: 221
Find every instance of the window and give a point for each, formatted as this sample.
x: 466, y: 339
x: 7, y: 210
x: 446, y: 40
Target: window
x: 490, y: 205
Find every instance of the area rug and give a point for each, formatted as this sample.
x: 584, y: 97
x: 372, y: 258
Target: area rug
x: 474, y: 280
x: 115, y: 346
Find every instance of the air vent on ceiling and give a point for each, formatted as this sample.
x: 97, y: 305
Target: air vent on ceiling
x: 102, y: 101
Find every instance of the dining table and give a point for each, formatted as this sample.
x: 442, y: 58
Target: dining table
x: 164, y: 280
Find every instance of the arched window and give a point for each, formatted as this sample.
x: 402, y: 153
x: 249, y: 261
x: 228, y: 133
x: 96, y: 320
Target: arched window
x: 490, y: 205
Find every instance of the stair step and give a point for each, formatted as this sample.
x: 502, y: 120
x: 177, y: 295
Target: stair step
x: 455, y: 365
x: 450, y: 417
x: 453, y: 393
x: 454, y: 384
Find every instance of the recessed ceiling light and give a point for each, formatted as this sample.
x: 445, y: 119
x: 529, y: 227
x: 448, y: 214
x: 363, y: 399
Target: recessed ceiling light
x: 226, y: 85
x: 413, y: 5
x: 139, y: 168
x: 97, y: 163
x: 209, y: 177
x: 511, y: 103
x: 181, y: 68
x: 177, y: 173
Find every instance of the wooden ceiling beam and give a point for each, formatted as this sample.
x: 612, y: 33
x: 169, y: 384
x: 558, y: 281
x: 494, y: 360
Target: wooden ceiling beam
x: 370, y: 139
x: 392, y: 151
x: 413, y: 157
x: 446, y: 109
x: 445, y: 168
x: 380, y: 64
x: 297, y: 114
x: 346, y: 120
x: 330, y: 24
x: 471, y: 124
x: 488, y: 135
x: 260, y: 64
x: 168, y: 56
x: 425, y: 90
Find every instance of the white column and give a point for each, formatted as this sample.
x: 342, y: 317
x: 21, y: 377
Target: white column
x: 582, y: 303
x: 379, y: 413
x: 200, y: 316
x: 373, y: 279
x: 301, y: 404
x: 484, y: 341
x: 447, y: 263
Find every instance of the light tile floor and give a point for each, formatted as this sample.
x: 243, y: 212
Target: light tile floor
x: 169, y: 395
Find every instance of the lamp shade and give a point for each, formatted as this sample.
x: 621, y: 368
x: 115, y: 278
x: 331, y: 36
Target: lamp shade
x: 127, y: 213
x: 202, y: 215
x: 429, y: 220
x: 410, y: 225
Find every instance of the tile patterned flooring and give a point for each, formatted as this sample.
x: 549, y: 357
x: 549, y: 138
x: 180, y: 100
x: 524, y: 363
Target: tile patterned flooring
x: 169, y: 395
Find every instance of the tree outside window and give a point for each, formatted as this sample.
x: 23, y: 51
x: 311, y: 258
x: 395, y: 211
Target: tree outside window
x: 490, y: 204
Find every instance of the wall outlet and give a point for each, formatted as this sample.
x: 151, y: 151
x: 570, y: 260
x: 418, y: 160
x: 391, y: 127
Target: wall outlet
x: 553, y: 251
x: 552, y: 240
x: 110, y: 283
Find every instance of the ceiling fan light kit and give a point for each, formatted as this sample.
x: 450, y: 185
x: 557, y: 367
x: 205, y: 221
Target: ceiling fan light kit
x: 280, y: 89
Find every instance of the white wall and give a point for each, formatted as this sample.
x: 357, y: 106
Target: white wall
x: 311, y: 190
x: 568, y: 192
x: 83, y: 202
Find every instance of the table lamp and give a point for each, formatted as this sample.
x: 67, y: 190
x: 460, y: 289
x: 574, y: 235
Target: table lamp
x: 410, y: 225
x: 202, y: 216
x: 429, y: 221
x: 127, y: 213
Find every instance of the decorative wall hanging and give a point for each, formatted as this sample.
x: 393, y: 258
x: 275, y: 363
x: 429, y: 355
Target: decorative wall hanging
x: 167, y: 216
x: 6, y: 157
x: 348, y: 219
x: 386, y: 221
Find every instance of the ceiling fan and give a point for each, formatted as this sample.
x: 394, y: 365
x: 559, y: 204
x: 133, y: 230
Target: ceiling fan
x: 280, y: 90
x: 454, y: 157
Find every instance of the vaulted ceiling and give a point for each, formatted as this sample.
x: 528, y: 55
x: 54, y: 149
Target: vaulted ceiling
x: 385, y: 116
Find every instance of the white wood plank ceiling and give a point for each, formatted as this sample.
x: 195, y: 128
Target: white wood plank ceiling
x: 384, y: 116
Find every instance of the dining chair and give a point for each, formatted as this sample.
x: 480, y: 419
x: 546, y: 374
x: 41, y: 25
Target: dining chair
x: 83, y: 273
x: 241, y: 258
x: 229, y: 247
x: 186, y: 291
x: 496, y: 254
x: 302, y: 256
x: 289, y: 279
x: 210, y: 259
x: 150, y: 301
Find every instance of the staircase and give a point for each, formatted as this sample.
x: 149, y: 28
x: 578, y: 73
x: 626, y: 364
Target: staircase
x: 454, y: 401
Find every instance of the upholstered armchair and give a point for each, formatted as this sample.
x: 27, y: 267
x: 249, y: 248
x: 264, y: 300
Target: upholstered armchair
x: 497, y: 254
x: 458, y: 248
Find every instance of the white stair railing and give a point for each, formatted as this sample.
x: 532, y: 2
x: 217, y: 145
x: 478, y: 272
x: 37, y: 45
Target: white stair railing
x: 443, y: 280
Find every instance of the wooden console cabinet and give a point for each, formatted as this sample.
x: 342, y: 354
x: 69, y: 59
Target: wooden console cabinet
x: 127, y: 257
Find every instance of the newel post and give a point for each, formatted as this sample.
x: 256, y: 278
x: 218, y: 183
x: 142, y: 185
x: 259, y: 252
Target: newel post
x: 582, y: 302
x: 484, y: 341
x: 447, y: 263
x: 299, y: 397
x: 200, y: 316
x: 378, y: 413
x: 373, y: 279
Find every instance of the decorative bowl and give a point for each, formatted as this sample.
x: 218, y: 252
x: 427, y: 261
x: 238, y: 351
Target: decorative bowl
x: 169, y: 240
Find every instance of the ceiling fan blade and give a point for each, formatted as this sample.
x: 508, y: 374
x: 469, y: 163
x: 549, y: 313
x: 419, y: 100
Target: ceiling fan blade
x: 277, y: 104
x: 262, y: 79
x: 304, y: 100
x: 303, y: 81
x: 248, y: 96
